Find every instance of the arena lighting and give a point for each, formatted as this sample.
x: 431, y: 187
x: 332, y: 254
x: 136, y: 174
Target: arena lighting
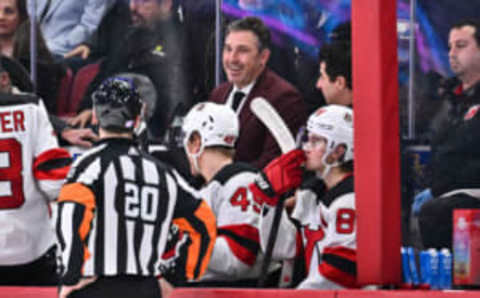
x: 377, y: 143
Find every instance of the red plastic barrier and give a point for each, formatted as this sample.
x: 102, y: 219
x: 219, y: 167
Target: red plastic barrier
x: 28, y: 292
x: 252, y: 293
x: 248, y: 293
x: 407, y: 294
x: 51, y: 292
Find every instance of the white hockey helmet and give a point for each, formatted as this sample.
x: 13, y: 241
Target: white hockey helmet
x: 216, y: 124
x: 335, y: 124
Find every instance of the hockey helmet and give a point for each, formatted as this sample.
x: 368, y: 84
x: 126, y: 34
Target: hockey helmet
x: 216, y: 124
x: 335, y: 124
x: 117, y: 103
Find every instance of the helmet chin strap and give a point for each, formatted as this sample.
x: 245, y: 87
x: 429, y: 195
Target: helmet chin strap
x: 194, y: 156
x: 328, y: 166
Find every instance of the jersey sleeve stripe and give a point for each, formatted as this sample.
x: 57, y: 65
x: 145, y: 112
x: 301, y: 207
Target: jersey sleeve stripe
x: 201, y: 224
x: 53, y: 164
x: 338, y: 265
x: 80, y: 194
x: 243, y: 241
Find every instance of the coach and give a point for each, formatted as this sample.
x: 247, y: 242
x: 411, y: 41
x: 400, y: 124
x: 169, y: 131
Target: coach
x: 245, y: 55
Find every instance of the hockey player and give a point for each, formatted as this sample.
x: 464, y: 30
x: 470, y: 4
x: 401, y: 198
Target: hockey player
x: 211, y: 131
x: 324, y: 207
x: 32, y: 170
x: 117, y: 207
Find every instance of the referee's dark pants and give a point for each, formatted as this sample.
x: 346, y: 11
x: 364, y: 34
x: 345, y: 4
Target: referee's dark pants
x: 123, y: 286
x: 436, y: 216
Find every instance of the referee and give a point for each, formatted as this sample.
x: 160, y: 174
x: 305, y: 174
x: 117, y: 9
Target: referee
x: 117, y: 206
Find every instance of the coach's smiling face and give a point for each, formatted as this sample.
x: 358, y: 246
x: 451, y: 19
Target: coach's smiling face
x: 243, y: 61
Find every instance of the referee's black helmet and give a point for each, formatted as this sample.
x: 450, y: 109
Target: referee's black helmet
x: 117, y: 104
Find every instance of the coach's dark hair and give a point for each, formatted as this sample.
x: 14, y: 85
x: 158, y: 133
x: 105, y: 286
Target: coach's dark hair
x: 338, y: 59
x: 475, y: 23
x: 254, y: 25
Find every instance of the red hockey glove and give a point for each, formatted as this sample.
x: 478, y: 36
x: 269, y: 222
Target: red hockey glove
x: 279, y: 176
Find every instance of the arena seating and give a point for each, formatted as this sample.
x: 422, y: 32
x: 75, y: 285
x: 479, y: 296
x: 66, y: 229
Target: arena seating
x: 63, y: 94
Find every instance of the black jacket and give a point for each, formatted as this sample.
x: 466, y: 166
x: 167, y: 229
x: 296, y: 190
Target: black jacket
x: 456, y: 146
x: 160, y: 54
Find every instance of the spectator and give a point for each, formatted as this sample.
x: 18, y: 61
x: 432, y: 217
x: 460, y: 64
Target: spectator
x: 245, y: 55
x: 154, y: 47
x: 120, y: 198
x: 335, y: 80
x: 33, y: 168
x: 66, y: 24
x: 17, y: 81
x: 49, y: 72
x: 455, y: 161
x: 102, y: 43
x: 15, y: 42
x: 211, y: 131
x: 324, y: 210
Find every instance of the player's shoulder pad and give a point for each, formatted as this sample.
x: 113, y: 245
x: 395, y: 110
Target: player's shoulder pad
x: 18, y: 99
x: 233, y: 169
x: 342, y: 188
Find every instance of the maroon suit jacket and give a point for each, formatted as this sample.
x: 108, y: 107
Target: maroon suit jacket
x: 255, y: 144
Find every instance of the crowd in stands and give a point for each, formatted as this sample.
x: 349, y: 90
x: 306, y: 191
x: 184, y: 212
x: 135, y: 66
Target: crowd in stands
x: 135, y: 76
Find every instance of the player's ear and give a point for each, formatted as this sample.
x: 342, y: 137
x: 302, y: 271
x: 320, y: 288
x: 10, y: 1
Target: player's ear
x: 340, y: 82
x: 194, y: 143
x: 339, y: 152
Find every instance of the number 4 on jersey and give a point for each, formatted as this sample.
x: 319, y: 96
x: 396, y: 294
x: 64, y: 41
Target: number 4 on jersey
x: 240, y: 199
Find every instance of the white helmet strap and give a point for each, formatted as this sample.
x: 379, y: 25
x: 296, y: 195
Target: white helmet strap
x: 328, y: 166
x: 194, y: 156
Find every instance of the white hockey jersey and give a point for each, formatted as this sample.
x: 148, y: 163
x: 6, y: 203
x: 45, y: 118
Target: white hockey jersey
x: 327, y: 235
x: 32, y: 168
x: 236, y: 252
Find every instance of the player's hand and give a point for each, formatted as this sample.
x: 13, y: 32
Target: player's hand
x: 420, y: 199
x: 81, y: 120
x: 67, y: 290
x: 83, y: 137
x: 82, y: 50
x: 281, y: 175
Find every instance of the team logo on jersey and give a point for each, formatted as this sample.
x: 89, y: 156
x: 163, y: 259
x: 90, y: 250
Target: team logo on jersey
x: 471, y: 112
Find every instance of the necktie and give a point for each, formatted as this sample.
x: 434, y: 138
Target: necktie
x: 237, y: 98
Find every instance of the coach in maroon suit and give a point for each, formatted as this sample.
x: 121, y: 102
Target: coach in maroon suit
x: 245, y: 55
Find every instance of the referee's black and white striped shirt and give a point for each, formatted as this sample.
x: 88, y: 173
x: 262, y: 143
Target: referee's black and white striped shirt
x: 115, y: 211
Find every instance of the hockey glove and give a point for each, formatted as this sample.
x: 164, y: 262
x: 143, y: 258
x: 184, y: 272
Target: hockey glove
x: 278, y: 177
x: 420, y: 199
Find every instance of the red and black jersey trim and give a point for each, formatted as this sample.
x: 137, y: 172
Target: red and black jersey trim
x: 53, y: 164
x: 243, y: 241
x: 339, y: 265
x: 345, y: 186
x: 231, y: 170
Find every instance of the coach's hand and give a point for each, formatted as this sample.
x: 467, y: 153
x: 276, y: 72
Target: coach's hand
x: 281, y: 175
